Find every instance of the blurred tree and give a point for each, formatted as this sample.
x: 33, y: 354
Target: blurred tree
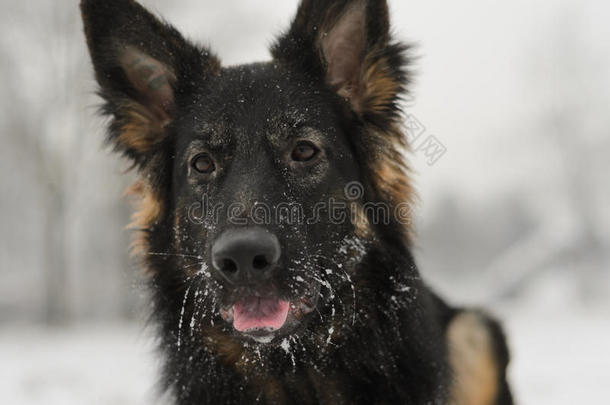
x: 579, y: 123
x: 42, y: 121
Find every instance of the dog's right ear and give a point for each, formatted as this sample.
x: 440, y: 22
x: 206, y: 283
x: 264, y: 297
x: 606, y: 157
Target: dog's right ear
x: 347, y: 44
x: 142, y: 66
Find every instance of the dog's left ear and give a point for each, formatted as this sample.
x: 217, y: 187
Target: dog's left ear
x: 347, y: 44
x: 143, y: 66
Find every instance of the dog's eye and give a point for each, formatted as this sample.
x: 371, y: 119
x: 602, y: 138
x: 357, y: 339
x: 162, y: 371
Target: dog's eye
x: 203, y: 163
x: 304, y: 152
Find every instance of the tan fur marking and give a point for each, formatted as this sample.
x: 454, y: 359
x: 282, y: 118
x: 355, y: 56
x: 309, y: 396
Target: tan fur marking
x: 391, y: 173
x: 274, y: 391
x: 228, y: 349
x: 361, y: 223
x: 380, y: 88
x: 473, y: 362
x: 231, y: 352
x: 148, y: 210
x: 140, y: 131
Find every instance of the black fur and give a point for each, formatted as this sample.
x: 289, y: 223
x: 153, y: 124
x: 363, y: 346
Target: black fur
x: 378, y: 334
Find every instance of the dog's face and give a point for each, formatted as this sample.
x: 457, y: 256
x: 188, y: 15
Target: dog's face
x: 248, y: 224
x: 260, y: 153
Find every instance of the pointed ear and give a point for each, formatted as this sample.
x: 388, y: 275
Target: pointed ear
x: 347, y: 44
x: 142, y: 65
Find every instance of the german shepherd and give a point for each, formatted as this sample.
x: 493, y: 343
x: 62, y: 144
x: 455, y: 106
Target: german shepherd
x: 273, y: 218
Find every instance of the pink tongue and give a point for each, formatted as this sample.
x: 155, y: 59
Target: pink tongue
x: 254, y: 313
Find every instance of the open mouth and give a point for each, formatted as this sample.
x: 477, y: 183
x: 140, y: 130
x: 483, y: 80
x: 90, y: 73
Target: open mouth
x: 253, y: 313
x: 263, y: 318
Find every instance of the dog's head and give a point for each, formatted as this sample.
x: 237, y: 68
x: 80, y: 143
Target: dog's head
x: 255, y: 179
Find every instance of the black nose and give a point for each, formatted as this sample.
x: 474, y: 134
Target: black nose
x: 246, y: 256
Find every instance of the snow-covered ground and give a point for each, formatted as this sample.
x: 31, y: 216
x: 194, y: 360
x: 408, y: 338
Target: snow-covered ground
x: 557, y: 360
x: 96, y: 364
x: 560, y: 360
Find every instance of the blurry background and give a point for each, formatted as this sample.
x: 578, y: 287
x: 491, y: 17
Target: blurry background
x: 514, y: 215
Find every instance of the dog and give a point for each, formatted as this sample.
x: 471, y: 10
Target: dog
x: 273, y: 215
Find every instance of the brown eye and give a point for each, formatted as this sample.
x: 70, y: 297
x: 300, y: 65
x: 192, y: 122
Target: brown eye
x: 203, y: 164
x: 304, y: 152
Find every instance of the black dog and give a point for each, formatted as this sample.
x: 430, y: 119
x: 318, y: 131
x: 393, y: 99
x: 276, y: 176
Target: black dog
x: 273, y: 223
